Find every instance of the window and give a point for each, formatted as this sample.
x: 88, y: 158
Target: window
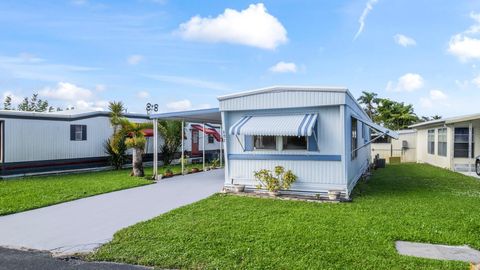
x: 460, y: 146
x: 294, y: 143
x: 265, y: 142
x: 78, y: 132
x: 211, y: 139
x: 442, y: 142
x: 431, y: 141
x: 354, y: 136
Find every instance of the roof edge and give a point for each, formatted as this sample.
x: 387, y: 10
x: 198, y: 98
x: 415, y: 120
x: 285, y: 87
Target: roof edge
x: 284, y: 88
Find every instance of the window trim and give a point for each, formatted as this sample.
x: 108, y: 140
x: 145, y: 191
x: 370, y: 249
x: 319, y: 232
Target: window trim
x: 445, y: 142
x: 472, y: 141
x: 354, y: 137
x: 431, y: 143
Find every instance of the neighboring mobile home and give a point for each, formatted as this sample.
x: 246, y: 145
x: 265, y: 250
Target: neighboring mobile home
x: 450, y: 143
x: 32, y: 142
x: 320, y: 133
x: 404, y: 148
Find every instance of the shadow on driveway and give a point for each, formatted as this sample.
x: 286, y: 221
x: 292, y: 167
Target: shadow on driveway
x: 34, y: 260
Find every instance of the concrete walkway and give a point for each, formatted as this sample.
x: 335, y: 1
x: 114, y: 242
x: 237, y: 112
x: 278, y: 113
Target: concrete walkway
x: 85, y: 224
x: 438, y: 252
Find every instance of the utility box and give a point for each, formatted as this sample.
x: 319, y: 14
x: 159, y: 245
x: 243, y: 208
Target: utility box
x: 395, y: 160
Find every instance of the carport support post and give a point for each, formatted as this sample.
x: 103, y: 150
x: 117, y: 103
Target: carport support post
x: 221, y: 146
x: 203, y: 145
x: 183, y: 148
x: 155, y: 149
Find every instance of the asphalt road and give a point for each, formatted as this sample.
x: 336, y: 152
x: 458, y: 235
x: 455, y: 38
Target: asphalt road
x: 11, y: 259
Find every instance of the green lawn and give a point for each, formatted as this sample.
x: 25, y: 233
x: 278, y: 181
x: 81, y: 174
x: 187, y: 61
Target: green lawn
x: 22, y: 194
x: 402, y: 202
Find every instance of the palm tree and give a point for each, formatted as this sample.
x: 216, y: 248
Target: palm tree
x: 368, y: 99
x: 116, y: 109
x: 135, y: 139
x: 171, y: 132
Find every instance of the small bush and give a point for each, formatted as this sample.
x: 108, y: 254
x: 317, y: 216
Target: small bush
x: 116, y: 148
x: 275, y: 181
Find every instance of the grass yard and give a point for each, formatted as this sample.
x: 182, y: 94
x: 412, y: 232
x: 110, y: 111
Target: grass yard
x: 410, y: 202
x: 22, y: 194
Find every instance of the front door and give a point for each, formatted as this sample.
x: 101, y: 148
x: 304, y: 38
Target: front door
x: 195, y: 150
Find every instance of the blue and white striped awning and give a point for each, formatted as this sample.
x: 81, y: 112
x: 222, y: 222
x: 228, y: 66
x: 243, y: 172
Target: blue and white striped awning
x: 275, y: 125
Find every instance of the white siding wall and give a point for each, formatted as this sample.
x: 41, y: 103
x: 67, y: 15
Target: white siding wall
x: 313, y: 175
x: 290, y: 99
x: 356, y: 167
x: 434, y: 159
x: 34, y: 140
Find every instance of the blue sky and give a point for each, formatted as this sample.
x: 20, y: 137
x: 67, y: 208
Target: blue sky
x: 183, y: 54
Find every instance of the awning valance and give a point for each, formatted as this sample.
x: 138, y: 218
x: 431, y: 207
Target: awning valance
x: 275, y: 125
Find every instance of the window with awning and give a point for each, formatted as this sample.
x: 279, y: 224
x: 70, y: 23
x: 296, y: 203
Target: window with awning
x: 277, y: 132
x: 275, y: 125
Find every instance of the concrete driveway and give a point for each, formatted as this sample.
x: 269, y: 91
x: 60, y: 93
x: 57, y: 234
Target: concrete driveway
x: 85, y: 224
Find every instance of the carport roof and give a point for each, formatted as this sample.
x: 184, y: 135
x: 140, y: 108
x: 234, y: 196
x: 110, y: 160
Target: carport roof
x: 212, y: 116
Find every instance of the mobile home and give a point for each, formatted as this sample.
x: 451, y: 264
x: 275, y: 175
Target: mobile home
x: 34, y: 142
x: 320, y: 133
x: 450, y: 143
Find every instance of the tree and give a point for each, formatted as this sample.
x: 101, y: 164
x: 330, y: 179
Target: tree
x: 7, y: 103
x: 171, y: 132
x: 116, y: 109
x: 135, y: 140
x: 115, y: 146
x: 369, y: 100
x: 395, y: 115
x: 33, y: 104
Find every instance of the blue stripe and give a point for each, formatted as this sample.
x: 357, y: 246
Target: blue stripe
x: 301, y: 124
x: 312, y: 124
x: 284, y: 157
x: 242, y: 124
x: 305, y: 129
x: 232, y: 129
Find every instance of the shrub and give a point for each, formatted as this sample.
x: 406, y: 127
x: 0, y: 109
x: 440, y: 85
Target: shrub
x: 116, y: 152
x: 275, y: 181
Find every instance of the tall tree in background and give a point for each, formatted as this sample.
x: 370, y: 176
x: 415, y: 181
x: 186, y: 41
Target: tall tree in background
x: 368, y: 100
x: 7, y: 103
x: 395, y: 115
x: 34, y: 104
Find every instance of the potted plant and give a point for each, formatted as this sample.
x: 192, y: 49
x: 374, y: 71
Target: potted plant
x: 275, y: 181
x: 333, y: 195
x: 168, y: 173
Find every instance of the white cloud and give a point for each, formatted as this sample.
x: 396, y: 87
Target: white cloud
x: 476, y: 81
x: 180, y: 105
x: 404, y: 41
x: 284, y: 67
x: 143, y: 94
x: 100, y: 105
x: 363, y: 17
x: 135, y: 59
x: 436, y: 94
x: 189, y: 82
x: 466, y: 45
x: 408, y: 82
x: 66, y: 91
x: 100, y: 87
x: 436, y: 97
x: 253, y: 26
